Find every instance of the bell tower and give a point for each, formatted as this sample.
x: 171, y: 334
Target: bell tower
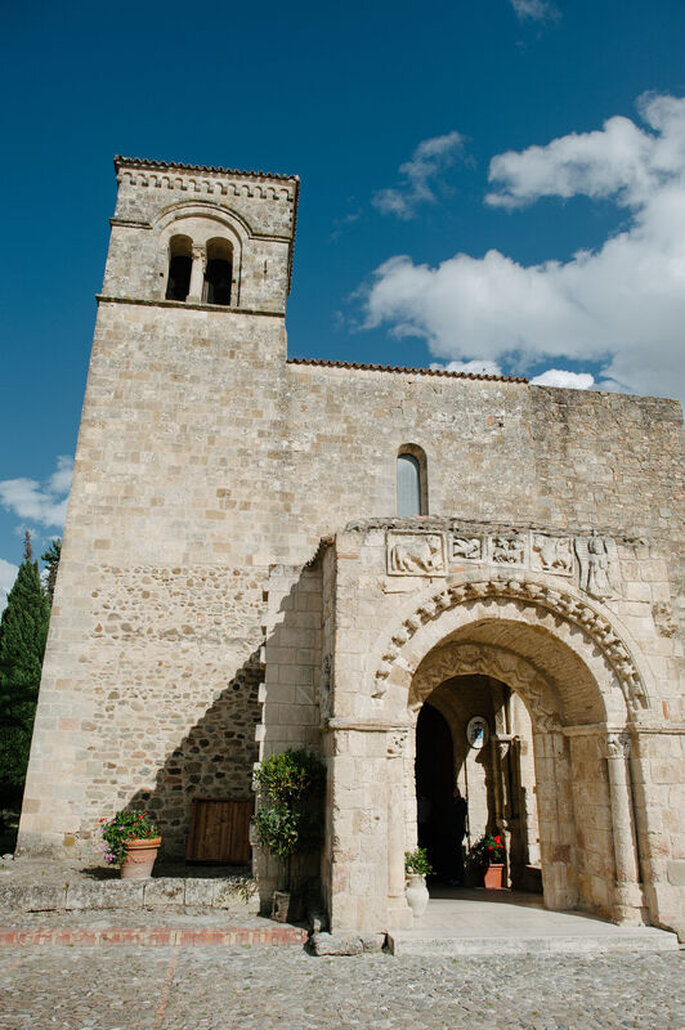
x: 174, y: 498
x: 202, y: 237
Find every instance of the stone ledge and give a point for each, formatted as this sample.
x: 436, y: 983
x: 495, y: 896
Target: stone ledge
x: 345, y: 944
x: 156, y: 893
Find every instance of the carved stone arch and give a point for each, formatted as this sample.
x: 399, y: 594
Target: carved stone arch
x: 204, y: 209
x: 203, y: 222
x: 569, y: 618
x: 483, y: 660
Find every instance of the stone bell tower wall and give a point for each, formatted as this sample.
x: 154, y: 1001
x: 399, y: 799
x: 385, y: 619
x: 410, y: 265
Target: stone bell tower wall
x: 208, y: 469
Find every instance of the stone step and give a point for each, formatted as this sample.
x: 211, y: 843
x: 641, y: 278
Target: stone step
x: 611, y: 939
x: 154, y: 893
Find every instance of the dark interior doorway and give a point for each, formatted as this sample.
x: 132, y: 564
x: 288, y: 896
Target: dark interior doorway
x: 434, y: 779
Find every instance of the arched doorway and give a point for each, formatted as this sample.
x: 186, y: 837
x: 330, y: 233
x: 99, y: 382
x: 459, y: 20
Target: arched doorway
x: 434, y: 779
x: 585, y: 685
x: 583, y: 690
x: 475, y: 733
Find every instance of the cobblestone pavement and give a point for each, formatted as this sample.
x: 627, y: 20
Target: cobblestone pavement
x: 202, y: 988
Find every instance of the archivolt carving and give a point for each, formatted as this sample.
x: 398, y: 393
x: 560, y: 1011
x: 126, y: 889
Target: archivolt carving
x: 561, y: 605
x: 472, y: 659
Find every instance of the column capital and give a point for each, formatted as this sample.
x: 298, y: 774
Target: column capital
x: 618, y: 745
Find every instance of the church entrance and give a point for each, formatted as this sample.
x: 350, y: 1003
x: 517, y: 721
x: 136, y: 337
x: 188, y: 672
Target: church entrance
x: 539, y: 749
x: 434, y: 776
x: 474, y: 733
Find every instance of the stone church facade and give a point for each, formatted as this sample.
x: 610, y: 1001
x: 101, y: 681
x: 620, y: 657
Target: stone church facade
x: 428, y: 578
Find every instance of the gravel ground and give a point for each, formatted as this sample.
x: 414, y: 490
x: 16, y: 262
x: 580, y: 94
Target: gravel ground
x: 202, y: 988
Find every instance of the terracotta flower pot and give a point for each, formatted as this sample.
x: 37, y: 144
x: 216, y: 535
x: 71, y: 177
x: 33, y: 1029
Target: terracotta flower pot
x: 494, y: 876
x: 140, y: 858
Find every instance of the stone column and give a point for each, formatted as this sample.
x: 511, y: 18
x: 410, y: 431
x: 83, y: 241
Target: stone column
x: 628, y: 893
x: 197, y: 276
x: 399, y: 913
x: 556, y: 819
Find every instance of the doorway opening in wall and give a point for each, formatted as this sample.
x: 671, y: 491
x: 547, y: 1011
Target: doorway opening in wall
x: 474, y: 744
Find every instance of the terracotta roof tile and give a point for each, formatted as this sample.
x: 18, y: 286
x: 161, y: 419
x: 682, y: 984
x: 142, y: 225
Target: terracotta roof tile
x: 143, y: 162
x: 400, y: 369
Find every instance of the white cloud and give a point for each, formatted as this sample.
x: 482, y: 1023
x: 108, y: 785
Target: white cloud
x: 534, y: 10
x: 428, y: 160
x: 8, y: 574
x: 622, y: 306
x: 44, y: 503
x: 566, y: 380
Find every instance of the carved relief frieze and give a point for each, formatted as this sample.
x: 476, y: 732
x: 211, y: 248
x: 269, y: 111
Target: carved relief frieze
x: 416, y: 554
x: 466, y: 548
x: 422, y: 553
x: 509, y: 549
x: 551, y: 554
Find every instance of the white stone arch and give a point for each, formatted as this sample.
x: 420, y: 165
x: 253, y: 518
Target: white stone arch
x: 590, y: 632
x: 583, y: 687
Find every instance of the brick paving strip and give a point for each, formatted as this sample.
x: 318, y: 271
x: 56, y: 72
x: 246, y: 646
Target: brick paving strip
x: 166, y: 991
x: 278, y: 935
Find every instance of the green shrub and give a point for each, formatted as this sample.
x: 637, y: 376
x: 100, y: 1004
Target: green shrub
x: 291, y: 788
x: 417, y: 862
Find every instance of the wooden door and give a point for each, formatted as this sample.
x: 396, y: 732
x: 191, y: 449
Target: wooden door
x: 220, y: 831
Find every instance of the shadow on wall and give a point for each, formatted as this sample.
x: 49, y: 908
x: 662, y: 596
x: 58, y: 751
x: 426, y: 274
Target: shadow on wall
x: 214, y: 760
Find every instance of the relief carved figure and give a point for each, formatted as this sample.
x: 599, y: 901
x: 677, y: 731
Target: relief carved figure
x: 618, y: 745
x: 397, y: 741
x: 415, y: 554
x: 552, y: 554
x: 596, y: 565
x: 469, y: 548
x: 508, y: 550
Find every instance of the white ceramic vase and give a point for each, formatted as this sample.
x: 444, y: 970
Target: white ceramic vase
x: 417, y: 893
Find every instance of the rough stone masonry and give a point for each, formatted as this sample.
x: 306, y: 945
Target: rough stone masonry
x: 263, y: 552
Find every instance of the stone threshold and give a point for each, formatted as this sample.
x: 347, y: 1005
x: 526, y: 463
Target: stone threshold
x: 277, y: 935
x: 624, y: 939
x: 155, y: 893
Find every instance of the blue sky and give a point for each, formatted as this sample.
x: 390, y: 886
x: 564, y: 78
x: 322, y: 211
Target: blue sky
x: 498, y: 182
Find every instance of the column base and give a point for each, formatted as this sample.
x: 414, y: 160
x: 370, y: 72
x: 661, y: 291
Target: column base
x: 399, y: 914
x: 629, y: 907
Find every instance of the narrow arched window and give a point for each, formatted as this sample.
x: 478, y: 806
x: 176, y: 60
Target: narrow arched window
x: 412, y: 491
x: 218, y: 272
x: 180, y: 266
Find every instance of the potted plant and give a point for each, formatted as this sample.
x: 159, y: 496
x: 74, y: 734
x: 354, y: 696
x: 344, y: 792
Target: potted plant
x: 417, y: 868
x: 131, y: 841
x: 289, y: 817
x: 488, y: 856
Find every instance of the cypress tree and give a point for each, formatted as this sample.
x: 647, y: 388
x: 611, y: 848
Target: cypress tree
x: 51, y: 558
x: 23, y: 633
